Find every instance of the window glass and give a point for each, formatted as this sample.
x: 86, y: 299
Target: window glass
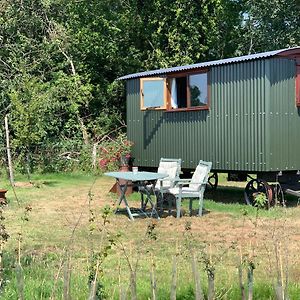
x: 153, y: 93
x: 198, y: 89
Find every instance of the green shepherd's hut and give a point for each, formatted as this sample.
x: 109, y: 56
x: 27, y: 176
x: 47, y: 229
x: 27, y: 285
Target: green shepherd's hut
x: 241, y: 113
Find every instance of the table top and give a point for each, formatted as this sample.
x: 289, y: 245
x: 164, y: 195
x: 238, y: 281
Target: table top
x: 137, y: 176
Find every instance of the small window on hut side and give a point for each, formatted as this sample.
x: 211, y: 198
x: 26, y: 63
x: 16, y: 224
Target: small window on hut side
x: 153, y: 95
x: 189, y: 92
x: 176, y: 93
x: 298, y: 84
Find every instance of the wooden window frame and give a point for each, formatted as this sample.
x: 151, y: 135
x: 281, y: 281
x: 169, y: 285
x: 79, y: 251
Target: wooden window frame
x: 142, y: 80
x: 189, y: 107
x: 167, y: 92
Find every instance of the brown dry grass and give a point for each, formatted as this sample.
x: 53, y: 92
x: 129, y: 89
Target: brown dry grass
x: 58, y: 209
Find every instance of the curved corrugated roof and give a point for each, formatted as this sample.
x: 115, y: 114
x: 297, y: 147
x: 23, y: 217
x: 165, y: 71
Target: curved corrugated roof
x: 207, y: 64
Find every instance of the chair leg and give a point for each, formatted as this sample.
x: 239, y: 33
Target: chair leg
x: 200, y: 204
x: 160, y: 201
x: 142, y: 201
x: 191, y: 206
x: 170, y: 205
x: 178, y: 207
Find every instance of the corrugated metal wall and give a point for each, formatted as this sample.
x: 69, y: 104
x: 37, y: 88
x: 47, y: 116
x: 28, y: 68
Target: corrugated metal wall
x: 238, y: 110
x: 234, y: 133
x: 284, y: 117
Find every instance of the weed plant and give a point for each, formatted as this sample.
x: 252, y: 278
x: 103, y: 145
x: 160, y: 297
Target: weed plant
x: 112, y: 258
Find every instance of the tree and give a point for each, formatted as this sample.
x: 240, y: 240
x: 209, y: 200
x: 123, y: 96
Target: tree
x: 269, y: 25
x: 59, y: 59
x: 184, y: 32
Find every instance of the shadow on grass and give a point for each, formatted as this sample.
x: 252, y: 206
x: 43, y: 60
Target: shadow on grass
x: 291, y: 201
x: 235, y: 195
x: 224, y: 199
x: 184, y: 211
x: 162, y: 212
x: 136, y: 213
x: 227, y: 195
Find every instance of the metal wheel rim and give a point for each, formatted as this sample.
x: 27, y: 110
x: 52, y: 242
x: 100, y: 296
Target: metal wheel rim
x: 258, y: 186
x: 213, y: 181
x: 278, y: 199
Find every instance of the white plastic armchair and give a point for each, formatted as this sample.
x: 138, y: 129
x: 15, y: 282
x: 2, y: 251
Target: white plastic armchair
x: 170, y: 166
x: 192, y: 188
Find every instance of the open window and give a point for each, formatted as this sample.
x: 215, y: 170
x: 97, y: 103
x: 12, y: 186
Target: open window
x: 177, y: 92
x: 189, y: 92
x: 153, y: 93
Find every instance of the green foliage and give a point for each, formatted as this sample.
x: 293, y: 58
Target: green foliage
x: 27, y: 111
x: 260, y: 200
x: 59, y: 60
x: 269, y: 25
x: 184, y: 32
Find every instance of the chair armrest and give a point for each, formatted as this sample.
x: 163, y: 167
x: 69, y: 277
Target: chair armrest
x: 176, y: 179
x: 182, y: 182
x: 164, y: 188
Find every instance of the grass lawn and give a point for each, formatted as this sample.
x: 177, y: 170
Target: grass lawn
x: 67, y: 235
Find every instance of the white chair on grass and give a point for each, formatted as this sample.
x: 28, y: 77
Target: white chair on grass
x: 191, y: 188
x: 170, y: 166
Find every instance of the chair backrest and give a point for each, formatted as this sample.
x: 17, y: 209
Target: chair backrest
x: 200, y: 175
x: 170, y: 166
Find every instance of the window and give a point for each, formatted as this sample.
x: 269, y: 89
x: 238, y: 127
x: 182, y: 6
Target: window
x: 198, y: 89
x: 153, y: 95
x: 175, y: 93
x: 189, y: 92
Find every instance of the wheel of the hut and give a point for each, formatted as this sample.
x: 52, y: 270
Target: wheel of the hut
x: 213, y: 181
x: 256, y: 186
x: 278, y: 198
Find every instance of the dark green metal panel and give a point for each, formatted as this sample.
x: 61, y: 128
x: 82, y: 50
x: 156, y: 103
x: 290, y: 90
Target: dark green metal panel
x: 235, y: 133
x: 238, y: 109
x: 284, y: 117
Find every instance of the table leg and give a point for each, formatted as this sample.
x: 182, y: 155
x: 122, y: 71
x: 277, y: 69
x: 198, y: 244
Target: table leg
x: 150, y: 200
x: 147, y: 191
x: 123, y: 188
x: 142, y: 202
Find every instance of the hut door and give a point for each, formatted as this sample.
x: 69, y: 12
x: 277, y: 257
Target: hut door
x: 298, y: 83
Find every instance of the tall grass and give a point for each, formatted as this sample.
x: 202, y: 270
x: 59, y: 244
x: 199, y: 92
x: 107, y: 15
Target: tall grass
x: 112, y: 258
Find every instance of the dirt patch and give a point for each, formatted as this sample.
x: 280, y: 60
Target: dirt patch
x: 24, y: 184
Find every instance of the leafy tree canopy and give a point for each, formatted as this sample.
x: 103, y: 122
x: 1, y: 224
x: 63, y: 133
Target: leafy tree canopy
x: 59, y: 59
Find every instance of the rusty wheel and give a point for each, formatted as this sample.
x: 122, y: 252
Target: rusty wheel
x: 256, y: 186
x: 278, y: 198
x: 213, y: 181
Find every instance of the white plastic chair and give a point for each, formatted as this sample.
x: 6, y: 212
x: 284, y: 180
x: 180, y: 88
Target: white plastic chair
x: 170, y: 166
x: 195, y: 189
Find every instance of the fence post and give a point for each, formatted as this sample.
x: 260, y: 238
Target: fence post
x: 10, y: 168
